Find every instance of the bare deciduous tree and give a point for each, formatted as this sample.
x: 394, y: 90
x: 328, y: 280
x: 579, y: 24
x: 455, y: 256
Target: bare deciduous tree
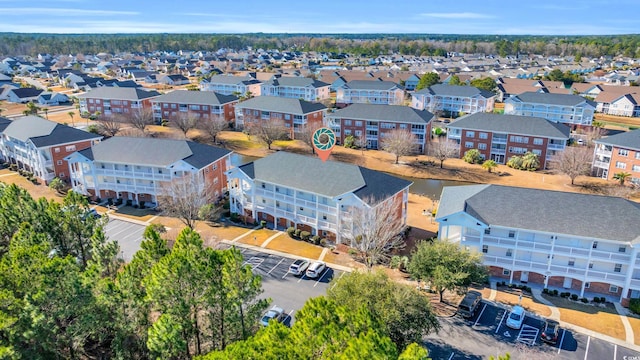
x: 375, y: 230
x: 213, y: 127
x: 141, y: 118
x: 110, y: 126
x: 400, y: 143
x: 268, y: 131
x: 185, y: 197
x: 305, y: 134
x: 592, y: 134
x: 185, y: 122
x: 573, y: 161
x: 444, y: 149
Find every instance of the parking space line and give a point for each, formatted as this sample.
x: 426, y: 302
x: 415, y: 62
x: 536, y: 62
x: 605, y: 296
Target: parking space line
x: 254, y: 262
x: 339, y: 277
x: 615, y: 351
x: 326, y: 271
x: 479, y: 316
x: 500, y: 323
x: 451, y: 357
x: 586, y: 351
x: 273, y: 268
x: 528, y: 335
x: 302, y: 277
x: 561, y: 340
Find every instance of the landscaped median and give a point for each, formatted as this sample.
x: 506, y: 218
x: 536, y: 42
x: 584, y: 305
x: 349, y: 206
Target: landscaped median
x: 601, y: 318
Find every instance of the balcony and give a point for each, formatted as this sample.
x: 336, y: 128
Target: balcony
x: 372, y: 127
x: 605, y: 276
x: 488, y: 240
x: 612, y: 256
x: 602, y: 152
x: 498, y: 140
x: 601, y: 164
x: 140, y: 174
x: 531, y: 265
x: 112, y: 185
x: 566, y: 250
x: 525, y: 244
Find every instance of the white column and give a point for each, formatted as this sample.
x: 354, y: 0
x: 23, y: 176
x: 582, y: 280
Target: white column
x: 582, y: 289
x: 629, y: 275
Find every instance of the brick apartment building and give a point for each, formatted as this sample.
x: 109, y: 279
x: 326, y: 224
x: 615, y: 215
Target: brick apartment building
x: 618, y: 153
x: 197, y: 104
x: 111, y: 101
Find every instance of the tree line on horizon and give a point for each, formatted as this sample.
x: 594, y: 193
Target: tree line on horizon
x: 366, y: 45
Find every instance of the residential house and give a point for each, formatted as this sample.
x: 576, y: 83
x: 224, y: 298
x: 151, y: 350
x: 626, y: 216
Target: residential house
x: 369, y: 92
x: 372, y: 122
x: 40, y: 146
x: 573, y: 110
x: 52, y: 98
x: 453, y: 99
x: 137, y: 169
x: 499, y: 137
x: 23, y: 95
x: 174, y: 79
x: 197, y: 104
x: 534, y: 236
x: 294, y: 87
x: 294, y: 113
x: 291, y: 190
x: 232, y: 85
x: 618, y: 153
x: 622, y: 103
x: 110, y: 101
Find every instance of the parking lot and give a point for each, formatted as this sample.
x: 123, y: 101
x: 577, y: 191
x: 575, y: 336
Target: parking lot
x: 286, y: 290
x: 127, y: 234
x: 486, y: 334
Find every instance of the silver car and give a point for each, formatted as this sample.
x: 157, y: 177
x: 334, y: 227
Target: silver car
x: 315, y: 269
x: 298, y: 267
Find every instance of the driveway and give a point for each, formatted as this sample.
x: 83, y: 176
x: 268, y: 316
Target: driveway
x: 127, y: 234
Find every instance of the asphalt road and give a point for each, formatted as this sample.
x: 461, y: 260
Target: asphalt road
x: 486, y: 334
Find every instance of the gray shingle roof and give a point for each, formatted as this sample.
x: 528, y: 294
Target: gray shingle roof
x: 549, y: 98
x: 154, y: 152
x: 626, y: 140
x: 512, y: 124
x: 195, y: 97
x: 330, y: 178
x: 232, y: 80
x: 391, y: 113
x: 371, y: 85
x: 282, y: 105
x: 296, y: 81
x: 27, y: 92
x: 455, y: 90
x: 4, y: 122
x: 44, y: 132
x: 109, y: 92
x: 600, y: 217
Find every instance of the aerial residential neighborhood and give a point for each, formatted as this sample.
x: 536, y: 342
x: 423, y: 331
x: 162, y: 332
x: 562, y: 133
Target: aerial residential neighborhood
x: 312, y: 185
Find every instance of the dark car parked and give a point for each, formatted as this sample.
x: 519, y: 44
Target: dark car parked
x: 469, y: 304
x: 550, y: 332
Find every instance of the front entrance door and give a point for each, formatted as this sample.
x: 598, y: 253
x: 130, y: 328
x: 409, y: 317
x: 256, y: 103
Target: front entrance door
x: 567, y: 283
x: 524, y: 276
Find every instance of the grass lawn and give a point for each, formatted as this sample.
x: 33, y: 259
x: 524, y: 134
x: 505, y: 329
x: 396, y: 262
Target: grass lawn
x: 635, y: 325
x: 36, y: 191
x: 604, y: 320
x: 295, y: 247
x: 135, y: 214
x: 227, y: 232
x: 528, y: 302
x: 257, y: 237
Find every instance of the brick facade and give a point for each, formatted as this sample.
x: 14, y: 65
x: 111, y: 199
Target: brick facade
x: 59, y: 152
x: 313, y: 119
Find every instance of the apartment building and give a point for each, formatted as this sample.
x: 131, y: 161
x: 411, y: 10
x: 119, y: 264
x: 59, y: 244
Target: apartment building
x: 529, y: 235
x: 372, y: 122
x: 618, y: 153
x: 197, y: 104
x: 40, y: 146
x: 295, y: 87
x: 369, y: 92
x: 135, y: 169
x: 453, y: 99
x: 294, y: 113
x: 111, y: 101
x: 499, y: 137
x: 232, y: 85
x: 572, y: 110
x: 291, y: 190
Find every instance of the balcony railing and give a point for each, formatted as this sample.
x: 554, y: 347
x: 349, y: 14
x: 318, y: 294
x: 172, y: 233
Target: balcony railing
x: 614, y: 256
x: 601, y: 164
x: 139, y: 174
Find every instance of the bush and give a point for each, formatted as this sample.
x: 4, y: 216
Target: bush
x: 109, y: 201
x: 353, y: 252
x: 603, y: 299
x: 305, y: 235
x: 504, y: 283
x: 545, y: 291
x: 472, y: 156
x: 395, y: 262
x: 135, y: 206
x: 527, y: 289
x: 596, y: 300
x: 263, y: 224
x: 323, y: 242
x: 296, y: 233
x: 584, y: 300
x: 574, y: 297
x: 234, y: 217
x: 555, y: 292
x: 13, y: 167
x: 93, y: 128
x: 290, y: 231
x: 316, y: 239
x: 564, y: 294
x: 634, y: 306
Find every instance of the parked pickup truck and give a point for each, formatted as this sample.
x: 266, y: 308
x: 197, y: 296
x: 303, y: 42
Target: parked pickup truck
x: 469, y: 304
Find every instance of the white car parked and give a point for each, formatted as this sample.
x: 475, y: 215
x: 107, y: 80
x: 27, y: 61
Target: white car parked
x: 316, y: 269
x: 516, y: 317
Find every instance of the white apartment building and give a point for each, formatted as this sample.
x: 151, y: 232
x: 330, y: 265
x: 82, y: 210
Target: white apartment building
x: 290, y: 190
x: 564, y: 108
x: 135, y: 169
x: 295, y: 88
x: 231, y: 85
x: 454, y: 99
x: 370, y: 92
x: 528, y: 235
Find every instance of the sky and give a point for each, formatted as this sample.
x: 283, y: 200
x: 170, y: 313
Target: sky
x: 519, y: 17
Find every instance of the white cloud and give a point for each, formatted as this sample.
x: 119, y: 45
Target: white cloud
x: 7, y: 12
x: 458, y: 15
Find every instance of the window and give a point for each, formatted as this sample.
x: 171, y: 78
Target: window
x: 537, y: 152
x: 287, y: 116
x: 347, y: 123
x: 61, y: 175
x: 572, y: 262
x: 262, y: 185
x: 512, y: 234
x: 509, y: 253
x: 506, y: 272
x: 483, y: 135
x: 471, y: 134
x: 637, y: 155
x: 70, y: 148
x: 519, y: 139
x: 617, y: 268
x: 537, y: 141
x: 623, y: 152
x: 587, y: 285
x: 468, y: 144
x: 215, y: 166
x: 594, y: 245
x: 485, y: 249
x: 403, y: 126
x: 636, y: 168
x: 487, y: 231
x: 590, y: 265
x: 301, y: 208
x: 59, y: 162
x: 622, y: 249
x: 359, y: 123
x: 57, y: 150
x: 613, y: 289
x: 482, y: 146
x: 621, y: 165
x: 165, y: 106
